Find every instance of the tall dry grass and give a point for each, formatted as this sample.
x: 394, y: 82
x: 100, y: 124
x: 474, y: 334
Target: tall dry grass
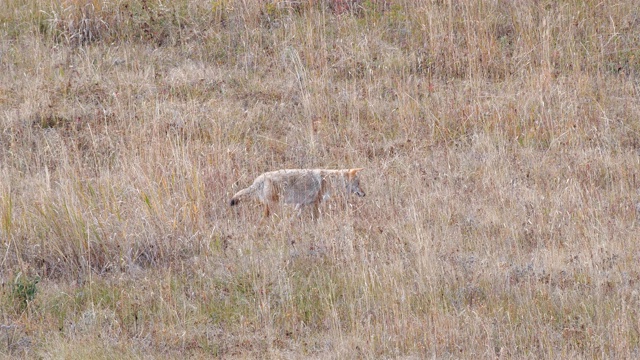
x: 500, y: 140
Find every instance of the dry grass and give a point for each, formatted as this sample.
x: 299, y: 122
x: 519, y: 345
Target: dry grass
x: 501, y: 141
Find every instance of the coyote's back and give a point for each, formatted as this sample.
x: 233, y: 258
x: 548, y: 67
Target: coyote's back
x: 300, y: 187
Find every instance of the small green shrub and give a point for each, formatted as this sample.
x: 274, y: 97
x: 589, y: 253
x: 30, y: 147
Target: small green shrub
x: 24, y: 290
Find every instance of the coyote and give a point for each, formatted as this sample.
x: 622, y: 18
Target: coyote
x: 301, y: 187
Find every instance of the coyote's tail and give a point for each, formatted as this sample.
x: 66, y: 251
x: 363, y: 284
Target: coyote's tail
x: 241, y: 195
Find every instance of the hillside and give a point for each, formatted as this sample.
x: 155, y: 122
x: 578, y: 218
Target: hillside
x: 501, y: 147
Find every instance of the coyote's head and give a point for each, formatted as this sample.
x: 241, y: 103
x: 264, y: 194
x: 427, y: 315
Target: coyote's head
x: 353, y: 183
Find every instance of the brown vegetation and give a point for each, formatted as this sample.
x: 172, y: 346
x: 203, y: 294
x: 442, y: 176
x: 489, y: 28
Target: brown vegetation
x: 501, y: 141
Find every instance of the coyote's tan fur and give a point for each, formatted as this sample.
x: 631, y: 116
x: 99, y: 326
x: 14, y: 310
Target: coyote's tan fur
x: 300, y: 187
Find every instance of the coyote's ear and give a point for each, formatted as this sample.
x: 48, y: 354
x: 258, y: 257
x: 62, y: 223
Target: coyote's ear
x: 352, y: 172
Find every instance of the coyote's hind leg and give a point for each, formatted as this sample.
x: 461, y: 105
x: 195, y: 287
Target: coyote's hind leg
x: 315, y: 212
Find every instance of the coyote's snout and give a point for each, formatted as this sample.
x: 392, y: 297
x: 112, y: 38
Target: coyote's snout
x: 300, y: 187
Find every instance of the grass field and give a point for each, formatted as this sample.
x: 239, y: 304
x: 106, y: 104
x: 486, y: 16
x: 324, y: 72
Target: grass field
x: 501, y: 147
